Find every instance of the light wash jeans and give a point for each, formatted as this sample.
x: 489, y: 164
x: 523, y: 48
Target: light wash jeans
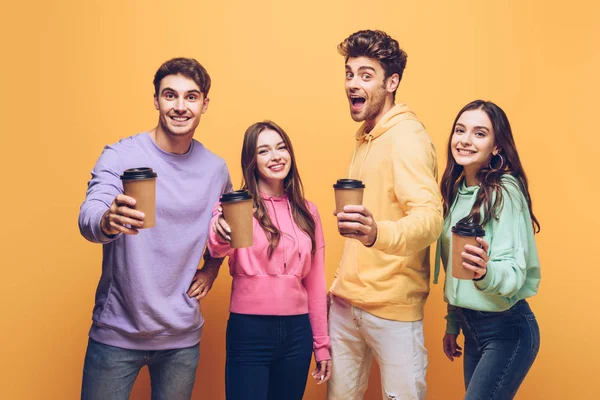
x: 109, y: 372
x: 399, y: 348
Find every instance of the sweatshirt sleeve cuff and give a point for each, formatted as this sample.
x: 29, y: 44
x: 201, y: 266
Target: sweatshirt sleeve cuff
x: 484, y: 283
x: 322, y: 354
x: 384, y: 233
x: 452, y: 327
x: 97, y: 231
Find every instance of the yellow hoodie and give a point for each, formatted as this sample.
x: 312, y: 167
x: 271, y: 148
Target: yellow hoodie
x: 397, y: 163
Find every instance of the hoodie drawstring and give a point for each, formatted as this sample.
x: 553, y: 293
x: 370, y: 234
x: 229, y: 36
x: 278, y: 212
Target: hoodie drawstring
x: 438, y: 252
x: 282, y: 239
x: 364, y: 158
x: 279, y: 227
x: 294, y: 227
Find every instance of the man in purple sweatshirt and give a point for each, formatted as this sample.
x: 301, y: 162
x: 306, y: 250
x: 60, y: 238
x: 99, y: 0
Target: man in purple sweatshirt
x: 147, y: 303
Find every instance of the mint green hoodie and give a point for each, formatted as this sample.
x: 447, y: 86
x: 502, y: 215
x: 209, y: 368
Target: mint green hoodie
x: 513, y: 269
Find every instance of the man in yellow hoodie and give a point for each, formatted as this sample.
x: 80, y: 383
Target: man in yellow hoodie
x: 382, y: 281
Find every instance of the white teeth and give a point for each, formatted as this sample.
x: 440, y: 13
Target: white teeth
x: 465, y: 151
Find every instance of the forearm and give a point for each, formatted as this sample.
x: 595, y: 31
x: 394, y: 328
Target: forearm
x: 211, y: 263
x: 217, y: 246
x: 315, y: 286
x: 410, y: 234
x: 90, y: 222
x: 452, y: 321
x: 505, y: 276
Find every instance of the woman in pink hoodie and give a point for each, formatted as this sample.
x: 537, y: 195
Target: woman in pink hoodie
x: 278, y: 312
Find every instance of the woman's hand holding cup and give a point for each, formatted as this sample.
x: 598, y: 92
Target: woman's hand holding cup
x: 221, y: 228
x: 476, y: 258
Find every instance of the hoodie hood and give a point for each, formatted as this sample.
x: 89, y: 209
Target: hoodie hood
x: 390, y: 119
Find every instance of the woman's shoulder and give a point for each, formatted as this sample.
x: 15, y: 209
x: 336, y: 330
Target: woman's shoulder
x: 512, y: 191
x: 311, y: 207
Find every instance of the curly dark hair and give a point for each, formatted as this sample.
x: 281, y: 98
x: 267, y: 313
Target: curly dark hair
x: 377, y: 45
x: 188, y: 67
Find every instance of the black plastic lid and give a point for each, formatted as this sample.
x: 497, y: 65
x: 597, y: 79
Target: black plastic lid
x: 468, y: 229
x: 348, y: 184
x: 236, y: 195
x: 138, y: 173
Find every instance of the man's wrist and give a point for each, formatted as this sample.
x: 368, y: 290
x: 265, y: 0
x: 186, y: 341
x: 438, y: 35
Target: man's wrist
x: 103, y: 226
x: 374, y: 239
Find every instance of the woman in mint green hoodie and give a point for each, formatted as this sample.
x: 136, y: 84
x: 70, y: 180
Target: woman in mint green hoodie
x: 484, y: 184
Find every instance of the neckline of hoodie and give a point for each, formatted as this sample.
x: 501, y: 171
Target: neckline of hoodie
x: 266, y: 196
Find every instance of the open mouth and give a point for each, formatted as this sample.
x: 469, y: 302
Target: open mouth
x: 180, y: 120
x: 465, y: 151
x: 357, y: 102
x: 276, y: 168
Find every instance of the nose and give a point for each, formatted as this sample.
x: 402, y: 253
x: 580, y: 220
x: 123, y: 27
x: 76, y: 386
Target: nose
x: 179, y: 105
x: 275, y: 155
x: 352, y: 83
x: 465, y: 140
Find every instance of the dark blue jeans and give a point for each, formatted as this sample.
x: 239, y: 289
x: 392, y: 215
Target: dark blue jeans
x: 268, y: 357
x: 109, y: 372
x: 500, y: 347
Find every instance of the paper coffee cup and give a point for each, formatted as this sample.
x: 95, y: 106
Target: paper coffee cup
x: 238, y: 212
x: 464, y: 233
x: 348, y: 192
x: 140, y: 183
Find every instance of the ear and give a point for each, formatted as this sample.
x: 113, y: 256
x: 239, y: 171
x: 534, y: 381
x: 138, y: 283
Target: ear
x: 496, y: 151
x: 155, y: 101
x: 204, y: 105
x: 392, y: 83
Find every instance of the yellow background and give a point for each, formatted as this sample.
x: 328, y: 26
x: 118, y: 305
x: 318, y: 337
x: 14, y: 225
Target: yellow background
x: 77, y: 75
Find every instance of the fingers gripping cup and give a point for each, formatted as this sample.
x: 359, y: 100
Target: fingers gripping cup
x: 140, y: 183
x: 464, y: 233
x: 238, y: 211
x: 348, y: 192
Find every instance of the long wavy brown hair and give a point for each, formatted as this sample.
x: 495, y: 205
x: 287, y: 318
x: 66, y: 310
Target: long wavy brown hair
x: 489, y: 177
x: 292, y: 185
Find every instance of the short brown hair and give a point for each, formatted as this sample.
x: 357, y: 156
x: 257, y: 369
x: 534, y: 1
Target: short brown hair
x: 377, y: 45
x: 188, y: 67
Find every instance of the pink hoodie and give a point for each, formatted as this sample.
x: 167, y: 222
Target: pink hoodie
x: 292, y: 282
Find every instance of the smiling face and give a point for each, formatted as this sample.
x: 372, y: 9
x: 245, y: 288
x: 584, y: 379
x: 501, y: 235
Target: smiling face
x: 370, y: 94
x: 273, y: 159
x: 180, y: 104
x: 473, y: 141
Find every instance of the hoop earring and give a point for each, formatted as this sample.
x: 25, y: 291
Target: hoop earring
x: 499, y: 166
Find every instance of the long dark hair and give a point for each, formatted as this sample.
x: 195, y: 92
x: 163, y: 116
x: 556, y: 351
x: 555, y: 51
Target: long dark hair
x: 489, y: 177
x: 292, y: 184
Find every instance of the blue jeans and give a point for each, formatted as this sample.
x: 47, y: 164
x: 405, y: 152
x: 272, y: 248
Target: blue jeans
x: 500, y: 347
x: 268, y: 357
x: 109, y: 372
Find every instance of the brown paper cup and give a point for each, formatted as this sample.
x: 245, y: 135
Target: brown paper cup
x: 458, y: 247
x: 348, y: 197
x: 238, y: 215
x: 140, y: 183
x: 348, y: 192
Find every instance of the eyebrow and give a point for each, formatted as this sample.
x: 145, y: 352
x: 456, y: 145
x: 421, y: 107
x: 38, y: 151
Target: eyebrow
x: 361, y: 68
x: 173, y: 90
x: 266, y: 145
x: 475, y: 127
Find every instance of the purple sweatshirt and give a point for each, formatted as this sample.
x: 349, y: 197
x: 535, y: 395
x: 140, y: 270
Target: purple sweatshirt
x: 141, y: 300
